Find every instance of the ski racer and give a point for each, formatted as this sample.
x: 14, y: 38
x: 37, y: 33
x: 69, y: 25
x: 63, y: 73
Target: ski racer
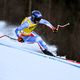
x: 25, y: 31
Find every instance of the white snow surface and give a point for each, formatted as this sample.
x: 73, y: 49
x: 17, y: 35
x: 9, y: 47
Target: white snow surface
x: 21, y: 63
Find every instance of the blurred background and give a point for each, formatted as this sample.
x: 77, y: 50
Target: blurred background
x: 57, y: 12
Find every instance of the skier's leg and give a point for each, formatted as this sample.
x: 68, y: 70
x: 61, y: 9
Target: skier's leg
x: 43, y: 46
x: 36, y: 38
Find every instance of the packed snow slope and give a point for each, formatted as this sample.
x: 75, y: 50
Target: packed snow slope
x: 18, y: 61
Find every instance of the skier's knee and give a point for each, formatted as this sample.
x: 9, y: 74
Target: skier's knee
x: 42, y: 45
x: 38, y: 39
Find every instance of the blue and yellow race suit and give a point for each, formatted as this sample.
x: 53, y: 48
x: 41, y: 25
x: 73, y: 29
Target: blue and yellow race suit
x: 25, y: 30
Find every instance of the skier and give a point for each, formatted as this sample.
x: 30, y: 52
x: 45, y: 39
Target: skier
x: 25, y: 31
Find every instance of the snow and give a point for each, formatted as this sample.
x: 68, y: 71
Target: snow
x: 21, y: 63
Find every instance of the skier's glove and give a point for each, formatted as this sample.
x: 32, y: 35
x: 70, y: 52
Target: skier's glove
x: 55, y: 30
x: 20, y: 39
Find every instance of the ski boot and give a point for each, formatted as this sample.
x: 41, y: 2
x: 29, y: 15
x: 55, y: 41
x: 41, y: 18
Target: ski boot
x: 47, y: 52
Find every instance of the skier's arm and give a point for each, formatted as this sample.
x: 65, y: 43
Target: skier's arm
x: 47, y: 23
x: 21, y: 27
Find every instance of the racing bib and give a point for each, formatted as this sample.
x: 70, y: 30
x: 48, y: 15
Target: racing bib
x: 30, y: 28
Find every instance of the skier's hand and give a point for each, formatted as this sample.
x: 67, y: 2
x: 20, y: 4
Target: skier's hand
x: 20, y: 39
x: 57, y: 27
x: 54, y: 29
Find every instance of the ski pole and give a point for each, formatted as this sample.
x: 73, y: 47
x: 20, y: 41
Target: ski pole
x: 62, y: 26
x: 8, y: 37
x: 2, y: 36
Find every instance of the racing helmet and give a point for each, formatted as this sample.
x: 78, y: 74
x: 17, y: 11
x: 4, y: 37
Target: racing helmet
x: 36, y: 16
